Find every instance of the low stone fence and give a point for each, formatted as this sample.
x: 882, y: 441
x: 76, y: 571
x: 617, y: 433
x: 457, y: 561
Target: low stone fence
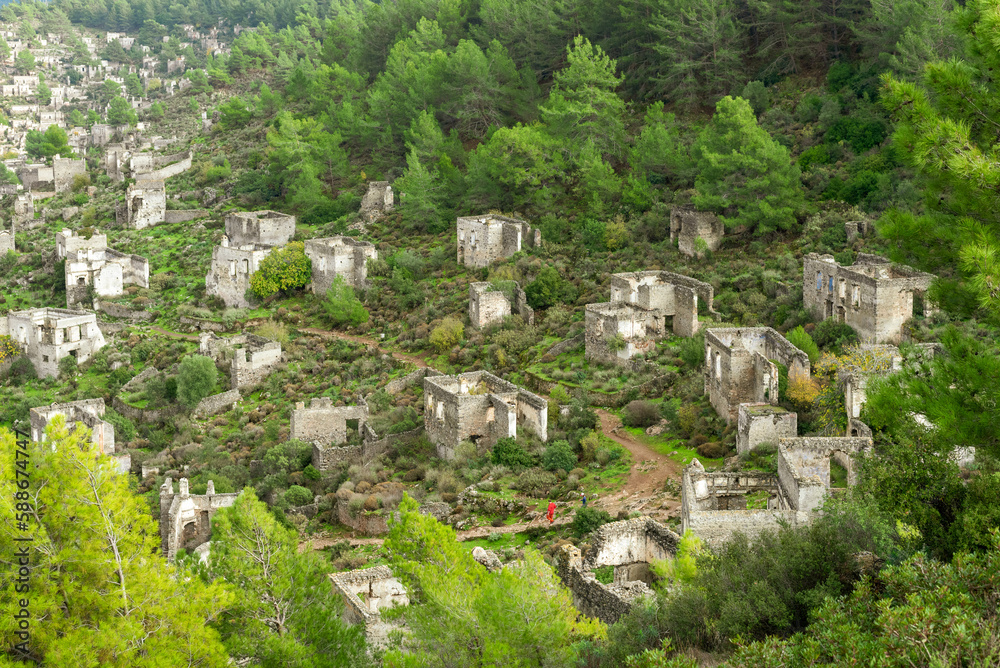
x: 326, y: 457
x: 216, y: 403
x: 121, y: 311
x: 184, y: 215
x: 368, y: 523
x: 139, y: 379
x: 201, y: 325
x: 558, y: 349
x: 146, y: 415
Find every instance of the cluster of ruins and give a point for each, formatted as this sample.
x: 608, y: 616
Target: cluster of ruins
x: 478, y: 407
x: 250, y: 237
x: 636, y: 317
x: 93, y: 269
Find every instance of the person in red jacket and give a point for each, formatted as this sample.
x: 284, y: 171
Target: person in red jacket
x: 552, y: 511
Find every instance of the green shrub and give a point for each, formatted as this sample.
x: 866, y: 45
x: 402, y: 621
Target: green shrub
x: 756, y: 93
x: 298, y: 496
x: 640, y: 414
x: 801, y: 340
x: 196, y: 379
x: 834, y: 336
x: 559, y: 455
x: 283, y: 269
x: 509, y: 453
x: 692, y: 350
x: 67, y: 366
x: 587, y: 519
x: 447, y: 334
x: 342, y: 306
x: 817, y: 155
x: 311, y: 473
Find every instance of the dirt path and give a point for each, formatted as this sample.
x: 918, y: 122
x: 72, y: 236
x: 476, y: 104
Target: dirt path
x: 328, y: 334
x: 650, y: 470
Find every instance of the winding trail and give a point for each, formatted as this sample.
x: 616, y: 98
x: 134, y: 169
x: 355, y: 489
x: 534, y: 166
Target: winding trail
x: 643, y: 491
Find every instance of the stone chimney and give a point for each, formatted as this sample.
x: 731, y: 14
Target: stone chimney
x: 167, y: 487
x: 210, y: 490
x: 184, y: 488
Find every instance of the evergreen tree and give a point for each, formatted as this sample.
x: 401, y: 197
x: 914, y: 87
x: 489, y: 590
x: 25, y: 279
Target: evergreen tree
x: 120, y: 112
x: 743, y: 173
x: 100, y: 595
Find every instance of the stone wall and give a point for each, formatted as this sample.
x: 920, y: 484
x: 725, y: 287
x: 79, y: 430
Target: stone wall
x: 145, y: 204
x: 64, y: 170
x: 184, y: 215
x: 266, y: 228
x: 217, y: 403
x: 123, y: 311
x: 488, y: 305
x: 688, y: 225
x: 365, y: 594
x: 251, y: 369
x: 6, y: 241
x: 763, y: 423
x: 159, y: 168
x: 186, y: 519
x: 86, y: 413
x: 377, y: 201
x: 339, y: 256
x: 323, y: 423
x: 483, y: 240
x: 49, y: 334
x: 229, y: 275
x: 873, y: 296
x: 367, y: 523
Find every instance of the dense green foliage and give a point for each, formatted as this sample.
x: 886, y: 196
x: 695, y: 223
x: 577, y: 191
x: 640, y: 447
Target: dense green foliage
x: 283, y: 269
x: 342, y: 306
x: 196, y: 378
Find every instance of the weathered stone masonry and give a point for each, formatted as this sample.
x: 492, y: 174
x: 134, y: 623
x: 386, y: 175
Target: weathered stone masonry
x: 253, y: 357
x: 91, y: 265
x: 346, y: 257
x: 249, y: 238
x: 88, y: 413
x: 488, y: 304
x: 483, y: 240
x: 873, y: 296
x: 49, y: 334
x: 636, y: 315
x: 478, y: 407
x: 687, y: 225
x: 185, y: 518
x: 365, y: 594
x: 739, y: 367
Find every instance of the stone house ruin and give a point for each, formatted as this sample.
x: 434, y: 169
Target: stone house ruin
x: 636, y: 317
x: 714, y: 505
x: 88, y: 413
x: 740, y: 367
x: 365, y: 594
x: 49, y: 334
x: 159, y: 167
x: 252, y: 357
x: 489, y: 303
x: 145, y: 204
x: 858, y: 228
x: 478, y: 407
x: 326, y: 426
x: 35, y: 177
x: 250, y: 237
x: 483, y: 240
x: 91, y: 265
x: 346, y: 257
x: 377, y: 201
x: 688, y: 225
x: 64, y: 170
x: 629, y: 547
x: 185, y: 518
x: 24, y: 211
x: 6, y: 241
x: 873, y: 296
x: 763, y: 423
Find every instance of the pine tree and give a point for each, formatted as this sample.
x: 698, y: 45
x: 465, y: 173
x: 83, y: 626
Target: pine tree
x: 743, y: 173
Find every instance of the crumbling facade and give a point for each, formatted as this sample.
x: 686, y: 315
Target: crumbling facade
x: 250, y: 237
x: 873, y: 296
x: 145, y: 204
x: 346, y: 257
x: 687, y: 226
x: 478, y: 407
x: 636, y: 317
x: 252, y: 357
x: 24, y: 211
x: 326, y: 426
x: 740, y: 367
x: 64, y: 170
x: 489, y: 303
x: 365, y: 594
x: 377, y: 201
x: 185, y: 518
x: 49, y: 334
x: 92, y: 266
x: 763, y: 423
x: 6, y: 241
x: 715, y: 505
x: 159, y: 167
x: 88, y: 413
x: 483, y: 240
x: 629, y: 546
